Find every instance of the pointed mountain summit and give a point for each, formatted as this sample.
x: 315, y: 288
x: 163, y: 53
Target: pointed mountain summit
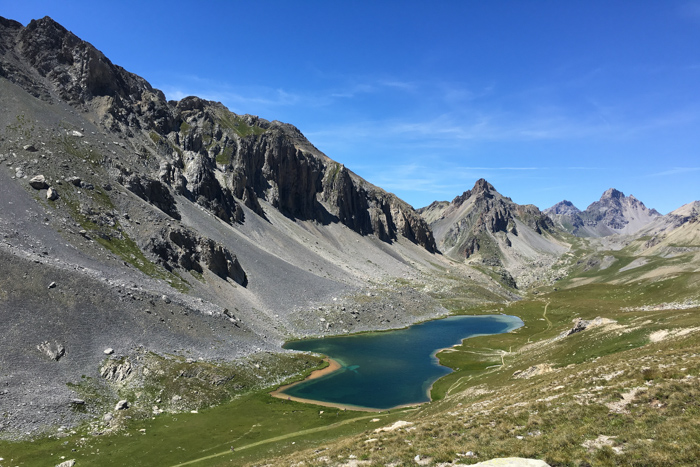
x: 568, y: 217
x: 484, y: 226
x: 613, y: 214
x: 563, y: 207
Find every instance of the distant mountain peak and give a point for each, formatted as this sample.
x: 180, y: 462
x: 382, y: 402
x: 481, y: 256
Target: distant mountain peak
x: 563, y: 207
x: 612, y: 193
x: 484, y: 226
x: 482, y: 185
x: 614, y: 213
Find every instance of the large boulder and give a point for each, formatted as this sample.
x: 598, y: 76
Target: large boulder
x: 52, y: 194
x: 38, y: 182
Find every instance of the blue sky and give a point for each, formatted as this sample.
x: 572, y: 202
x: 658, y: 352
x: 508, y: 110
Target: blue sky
x: 547, y: 100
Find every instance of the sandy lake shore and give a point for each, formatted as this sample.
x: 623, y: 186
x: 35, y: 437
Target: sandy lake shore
x: 332, y: 366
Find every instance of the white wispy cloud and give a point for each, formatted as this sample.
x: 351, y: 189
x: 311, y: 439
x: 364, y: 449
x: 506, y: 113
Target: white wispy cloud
x: 440, y: 178
x: 675, y: 171
x: 402, y: 85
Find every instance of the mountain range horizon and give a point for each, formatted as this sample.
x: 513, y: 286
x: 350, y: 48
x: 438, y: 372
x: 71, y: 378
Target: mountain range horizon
x: 530, y: 179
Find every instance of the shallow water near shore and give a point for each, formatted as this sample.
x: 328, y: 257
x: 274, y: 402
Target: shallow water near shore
x: 383, y: 370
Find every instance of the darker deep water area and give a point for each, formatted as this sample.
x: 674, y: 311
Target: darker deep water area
x: 382, y: 370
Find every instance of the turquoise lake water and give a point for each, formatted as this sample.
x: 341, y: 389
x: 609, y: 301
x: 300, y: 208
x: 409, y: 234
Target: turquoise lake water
x: 382, y: 370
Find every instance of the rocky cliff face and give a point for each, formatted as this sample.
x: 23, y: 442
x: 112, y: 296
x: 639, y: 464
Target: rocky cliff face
x: 203, y: 151
x: 484, y: 226
x: 53, y: 64
x: 614, y: 213
x: 568, y: 217
x: 140, y: 225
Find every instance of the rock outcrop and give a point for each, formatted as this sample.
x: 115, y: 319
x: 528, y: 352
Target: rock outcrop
x: 54, y: 351
x: 116, y: 370
x: 182, y: 248
x: 153, y: 191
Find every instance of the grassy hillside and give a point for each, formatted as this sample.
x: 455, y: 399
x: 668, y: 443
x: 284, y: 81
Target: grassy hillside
x: 623, y: 390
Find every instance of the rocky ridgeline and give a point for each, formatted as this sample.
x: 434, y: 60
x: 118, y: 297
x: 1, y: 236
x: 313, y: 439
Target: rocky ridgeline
x: 106, y: 183
x: 484, y: 226
x: 204, y: 152
x: 614, y: 213
x: 479, y: 214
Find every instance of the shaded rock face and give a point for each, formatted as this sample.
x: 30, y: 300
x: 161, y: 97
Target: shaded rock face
x: 204, y: 188
x: 153, y: 191
x: 255, y: 159
x: 369, y: 210
x: 182, y: 248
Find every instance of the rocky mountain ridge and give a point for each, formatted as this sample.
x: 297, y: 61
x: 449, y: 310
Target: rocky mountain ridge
x: 484, y: 227
x: 174, y: 228
x: 613, y: 214
x: 205, y: 152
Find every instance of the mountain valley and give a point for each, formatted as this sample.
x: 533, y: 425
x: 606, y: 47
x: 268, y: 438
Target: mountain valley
x: 157, y: 254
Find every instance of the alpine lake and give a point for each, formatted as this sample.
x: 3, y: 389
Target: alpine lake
x: 389, y: 369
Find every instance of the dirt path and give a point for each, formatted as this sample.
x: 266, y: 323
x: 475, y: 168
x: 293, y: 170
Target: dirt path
x: 486, y: 353
x: 282, y: 437
x: 549, y: 323
x: 544, y: 315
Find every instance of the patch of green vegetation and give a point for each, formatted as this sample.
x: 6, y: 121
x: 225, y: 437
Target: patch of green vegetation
x: 238, y: 124
x: 127, y: 249
x: 112, y: 237
x: 224, y: 157
x: 155, y: 137
x: 334, y: 171
x: 184, y: 127
x: 74, y: 146
x: 93, y: 393
x: 198, y: 275
x: 22, y: 127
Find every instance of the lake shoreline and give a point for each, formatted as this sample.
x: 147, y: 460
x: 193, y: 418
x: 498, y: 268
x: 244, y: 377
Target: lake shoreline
x: 513, y: 322
x: 332, y: 367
